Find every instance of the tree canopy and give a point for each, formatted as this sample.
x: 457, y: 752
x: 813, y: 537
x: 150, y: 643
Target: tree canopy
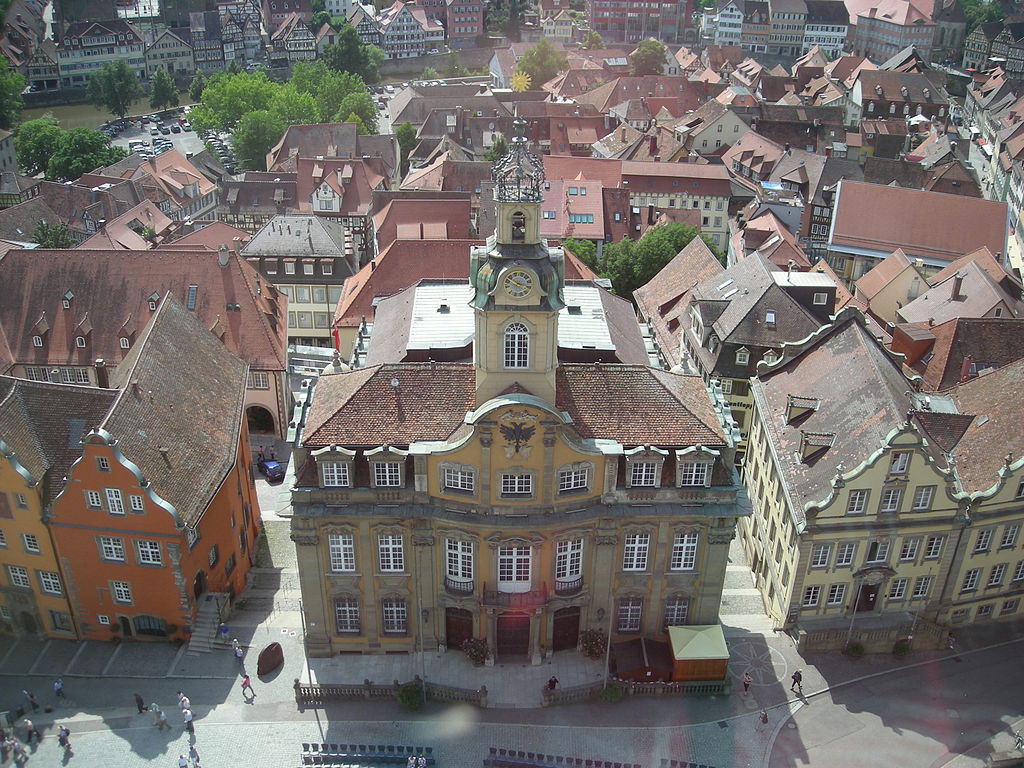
x: 542, y: 62
x: 497, y: 149
x: 163, y: 93
x: 648, y: 58
x: 114, y: 88
x: 350, y: 54
x: 631, y: 264
x: 37, y: 141
x: 54, y: 235
x: 979, y: 12
x: 81, y: 150
x: 11, y: 86
x: 256, y: 133
x: 405, y: 134
x: 591, y: 41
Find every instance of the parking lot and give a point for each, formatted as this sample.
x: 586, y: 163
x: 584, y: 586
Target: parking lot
x: 186, y: 142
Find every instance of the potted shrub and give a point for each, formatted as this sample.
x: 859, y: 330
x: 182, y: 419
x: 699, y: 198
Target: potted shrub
x: 593, y: 643
x: 476, y: 649
x: 855, y: 649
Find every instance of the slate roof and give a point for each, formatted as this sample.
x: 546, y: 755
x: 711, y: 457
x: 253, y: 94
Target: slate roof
x: 988, y: 342
x: 43, y: 424
x: 182, y: 392
x: 111, y: 291
x: 331, y: 140
x: 298, y: 236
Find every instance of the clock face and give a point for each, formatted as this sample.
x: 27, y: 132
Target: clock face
x: 518, y: 283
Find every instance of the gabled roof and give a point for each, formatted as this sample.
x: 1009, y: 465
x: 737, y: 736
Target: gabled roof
x: 297, y: 235
x: 976, y: 295
x: 112, y: 290
x: 987, y: 343
x: 422, y: 219
x: 883, y: 273
x: 331, y: 140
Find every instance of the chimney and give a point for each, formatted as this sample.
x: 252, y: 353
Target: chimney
x: 654, y: 144
x: 222, y: 255
x: 102, y: 374
x: 236, y: 245
x: 958, y: 282
x: 965, y: 368
x: 623, y: 135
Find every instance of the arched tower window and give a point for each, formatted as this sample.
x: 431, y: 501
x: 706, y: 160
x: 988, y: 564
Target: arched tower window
x: 518, y: 227
x: 517, y: 346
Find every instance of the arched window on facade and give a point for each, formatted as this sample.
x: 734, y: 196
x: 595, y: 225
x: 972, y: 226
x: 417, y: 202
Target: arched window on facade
x: 518, y: 227
x: 517, y: 346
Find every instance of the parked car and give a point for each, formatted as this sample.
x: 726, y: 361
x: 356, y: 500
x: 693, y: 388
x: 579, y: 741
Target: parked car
x: 272, y: 470
x: 432, y: 52
x: 154, y: 131
x: 165, y: 130
x: 186, y: 126
x: 175, y: 128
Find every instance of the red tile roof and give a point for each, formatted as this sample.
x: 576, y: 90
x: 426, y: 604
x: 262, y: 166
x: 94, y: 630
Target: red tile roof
x: 425, y: 219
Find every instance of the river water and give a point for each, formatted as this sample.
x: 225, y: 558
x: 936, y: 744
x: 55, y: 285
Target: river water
x: 88, y: 116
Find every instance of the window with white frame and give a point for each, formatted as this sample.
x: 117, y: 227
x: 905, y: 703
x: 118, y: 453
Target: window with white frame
x: 3, y: 539
x: 514, y: 565
x: 459, y: 560
x: 37, y: 341
x: 934, y: 547
x: 457, y: 479
x: 643, y: 473
x: 898, y: 462
x: 516, y: 485
x: 115, y: 504
x: 845, y: 552
x: 568, y: 559
x: 572, y: 479
x: 811, y: 596
x: 341, y: 549
x: 908, y: 551
x: 820, y: 299
x: 31, y: 543
x: 857, y: 502
x: 630, y: 611
x: 1009, y: 606
x: 922, y: 584
x: 820, y: 555
x: 149, y: 552
x: 517, y: 346
x: 136, y: 503
x: 878, y: 551
x: 726, y: 386
x: 897, y: 589
x: 346, y: 615
x: 694, y: 473
x: 1009, y: 536
x: 18, y: 576
x: 121, y: 591
x: 742, y: 357
x: 93, y: 500
x: 258, y: 380
x: 387, y: 474
x: 836, y: 594
x: 971, y: 580
x: 634, y: 552
x: 335, y: 474
x: 981, y: 544
x: 684, y: 552
x: 102, y: 463
x: 49, y: 582
x: 394, y: 616
x: 891, y: 498
x: 923, y: 495
x: 677, y: 610
x: 996, y: 575
x: 984, y: 611
x: 112, y: 548
x: 1018, y: 572
x: 390, y: 552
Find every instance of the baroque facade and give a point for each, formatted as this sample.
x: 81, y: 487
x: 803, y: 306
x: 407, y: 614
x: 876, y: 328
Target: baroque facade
x: 514, y: 496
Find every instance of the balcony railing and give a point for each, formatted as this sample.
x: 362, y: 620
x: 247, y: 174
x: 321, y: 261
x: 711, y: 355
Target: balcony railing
x: 569, y: 587
x: 453, y: 587
x: 516, y: 600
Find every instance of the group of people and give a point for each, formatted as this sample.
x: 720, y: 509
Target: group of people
x: 10, y: 745
x: 416, y: 761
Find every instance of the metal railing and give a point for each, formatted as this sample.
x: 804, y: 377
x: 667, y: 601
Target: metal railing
x: 453, y: 587
x: 569, y: 587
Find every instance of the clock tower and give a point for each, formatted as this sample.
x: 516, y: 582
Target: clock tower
x: 518, y: 284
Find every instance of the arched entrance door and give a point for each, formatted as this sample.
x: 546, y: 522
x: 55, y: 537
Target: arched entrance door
x: 27, y: 622
x: 458, y: 627
x: 126, y: 626
x: 199, y: 584
x: 566, y: 630
x: 260, y: 420
x: 513, y: 635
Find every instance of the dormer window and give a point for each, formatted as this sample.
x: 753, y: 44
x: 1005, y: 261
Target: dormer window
x: 37, y: 341
x: 66, y: 300
x: 80, y: 342
x: 152, y: 306
x: 125, y: 344
x: 742, y: 356
x: 643, y: 467
x: 769, y: 317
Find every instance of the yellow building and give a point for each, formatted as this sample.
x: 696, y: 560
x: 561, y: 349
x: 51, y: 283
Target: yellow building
x: 511, y: 496
x: 40, y: 429
x: 880, y: 513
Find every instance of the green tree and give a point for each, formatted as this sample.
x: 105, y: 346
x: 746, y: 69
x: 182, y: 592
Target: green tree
x: 195, y: 88
x: 256, y: 133
x: 317, y: 6
x: 326, y: 86
x: 163, y: 93
x: 429, y: 73
x: 52, y: 235
x: 360, y: 128
x: 350, y: 54
x: 648, y: 58
x: 585, y: 250
x: 592, y: 41
x: 320, y: 18
x: 11, y: 86
x: 497, y: 150
x: 114, y: 88
x: 979, y: 12
x: 542, y: 62
x: 81, y: 150
x: 37, y: 141
x: 293, y: 106
x: 230, y: 96
x: 361, y: 105
x: 405, y: 134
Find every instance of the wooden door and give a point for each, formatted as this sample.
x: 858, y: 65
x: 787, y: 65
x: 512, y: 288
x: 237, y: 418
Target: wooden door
x: 513, y: 635
x: 458, y: 627
x: 566, y: 631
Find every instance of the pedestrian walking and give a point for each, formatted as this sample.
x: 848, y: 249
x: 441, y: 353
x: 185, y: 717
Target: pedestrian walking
x: 178, y: 697
x: 58, y: 688
x: 64, y: 737
x: 747, y: 680
x: 140, y: 703
x: 798, y: 682
x: 1018, y: 741
x: 184, y: 703
x: 239, y: 653
x: 20, y: 755
x: 30, y: 731
x: 223, y: 629
x: 552, y: 683
x: 235, y: 645
x: 247, y: 686
x: 186, y: 716
x: 193, y: 755
x: 762, y: 721
x: 161, y: 720
x: 182, y: 761
x: 31, y: 701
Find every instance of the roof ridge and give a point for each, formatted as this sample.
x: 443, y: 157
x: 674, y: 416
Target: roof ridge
x: 656, y: 375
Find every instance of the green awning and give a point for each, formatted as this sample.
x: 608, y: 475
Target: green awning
x: 692, y: 643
